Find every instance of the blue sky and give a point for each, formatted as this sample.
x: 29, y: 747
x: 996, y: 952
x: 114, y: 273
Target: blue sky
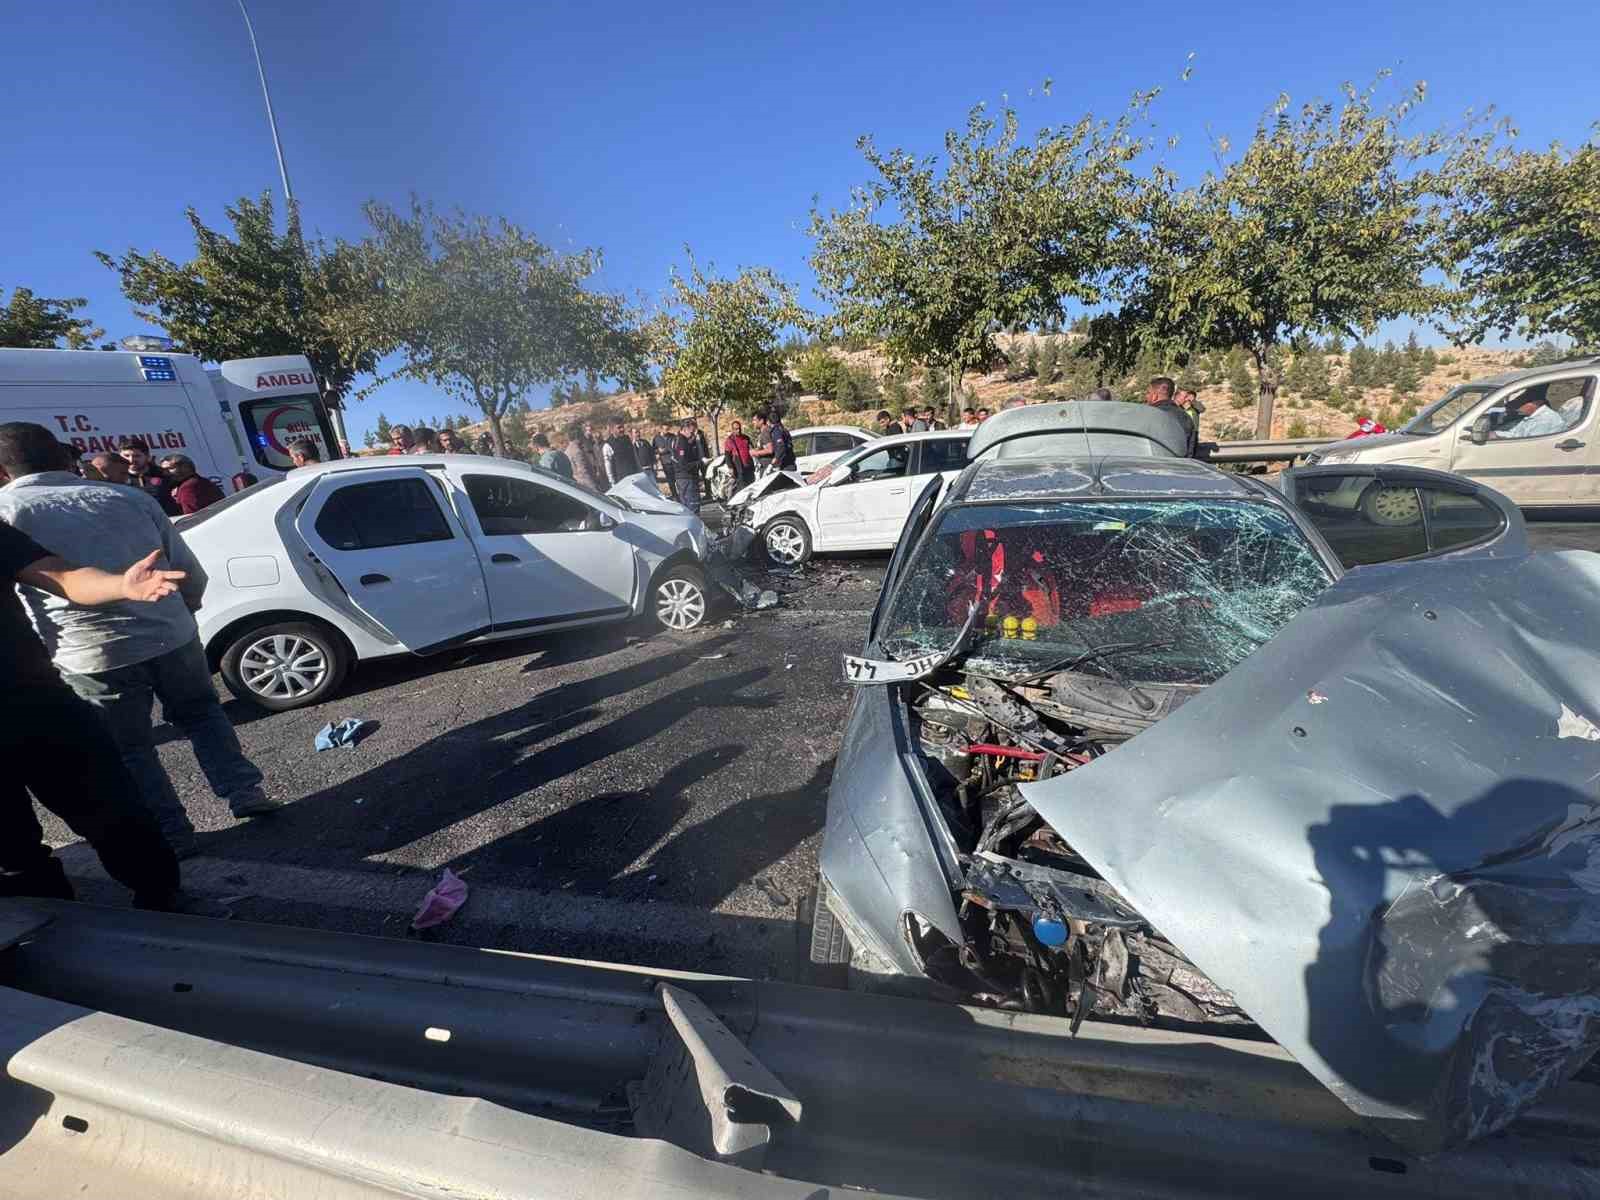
x: 640, y: 128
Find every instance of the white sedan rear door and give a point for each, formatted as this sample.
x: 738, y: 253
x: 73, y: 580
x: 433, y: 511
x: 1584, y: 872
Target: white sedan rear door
x: 391, y: 540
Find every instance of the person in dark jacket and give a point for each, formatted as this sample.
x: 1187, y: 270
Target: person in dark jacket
x: 618, y: 454
x: 688, y: 459
x: 665, y: 441
x: 1160, y: 395
x: 643, y: 452
x: 191, y: 491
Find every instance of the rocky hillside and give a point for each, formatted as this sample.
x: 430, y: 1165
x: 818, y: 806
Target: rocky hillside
x: 1322, y: 396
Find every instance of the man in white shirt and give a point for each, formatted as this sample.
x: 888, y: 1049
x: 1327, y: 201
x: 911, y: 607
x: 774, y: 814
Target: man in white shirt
x: 122, y: 657
x: 1537, y: 418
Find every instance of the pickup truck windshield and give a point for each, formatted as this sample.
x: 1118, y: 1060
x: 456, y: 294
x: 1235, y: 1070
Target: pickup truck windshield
x: 1447, y: 410
x: 1184, y: 589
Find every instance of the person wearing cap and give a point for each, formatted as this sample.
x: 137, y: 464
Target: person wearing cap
x: 688, y: 459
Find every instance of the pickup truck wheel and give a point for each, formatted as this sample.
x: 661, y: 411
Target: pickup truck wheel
x: 1390, y: 506
x: 787, y: 541
x: 680, y: 602
x: 288, y: 664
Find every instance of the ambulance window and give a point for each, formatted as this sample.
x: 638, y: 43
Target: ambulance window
x: 271, y: 423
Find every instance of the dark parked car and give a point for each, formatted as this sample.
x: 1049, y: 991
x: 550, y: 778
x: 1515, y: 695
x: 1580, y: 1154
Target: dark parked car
x: 1134, y: 742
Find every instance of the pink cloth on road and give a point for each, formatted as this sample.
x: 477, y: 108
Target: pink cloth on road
x: 442, y: 901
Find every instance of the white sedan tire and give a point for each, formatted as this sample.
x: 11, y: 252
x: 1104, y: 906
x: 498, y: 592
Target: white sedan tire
x: 284, y: 665
x: 787, y: 541
x: 679, y: 601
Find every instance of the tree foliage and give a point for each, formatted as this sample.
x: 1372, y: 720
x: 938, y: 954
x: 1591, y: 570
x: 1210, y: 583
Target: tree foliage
x: 36, y: 323
x: 1526, y: 228
x: 934, y: 257
x: 485, y: 311
x: 718, y: 342
x: 1328, y: 221
x: 257, y: 292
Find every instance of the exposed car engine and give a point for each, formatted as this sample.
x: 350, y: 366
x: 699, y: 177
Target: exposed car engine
x: 1043, y: 932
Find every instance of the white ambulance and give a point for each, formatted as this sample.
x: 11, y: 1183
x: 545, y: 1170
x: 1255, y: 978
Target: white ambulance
x: 235, y: 419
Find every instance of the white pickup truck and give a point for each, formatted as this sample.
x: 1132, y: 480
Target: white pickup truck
x: 1533, y: 435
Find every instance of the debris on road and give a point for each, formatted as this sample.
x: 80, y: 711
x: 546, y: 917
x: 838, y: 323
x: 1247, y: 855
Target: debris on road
x: 442, y: 902
x: 343, y: 733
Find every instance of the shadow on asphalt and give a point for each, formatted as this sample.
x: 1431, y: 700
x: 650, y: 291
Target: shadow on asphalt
x: 476, y: 767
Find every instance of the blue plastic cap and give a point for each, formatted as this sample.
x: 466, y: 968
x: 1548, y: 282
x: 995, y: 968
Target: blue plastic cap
x: 1050, y: 931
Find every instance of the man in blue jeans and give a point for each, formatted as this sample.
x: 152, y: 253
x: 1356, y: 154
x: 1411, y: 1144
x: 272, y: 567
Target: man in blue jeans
x: 122, y: 657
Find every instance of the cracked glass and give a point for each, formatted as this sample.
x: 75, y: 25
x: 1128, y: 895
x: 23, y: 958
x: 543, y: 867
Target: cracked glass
x: 1181, y: 591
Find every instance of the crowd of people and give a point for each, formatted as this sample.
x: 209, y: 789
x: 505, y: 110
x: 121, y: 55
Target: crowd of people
x: 172, y: 481
x: 93, y: 636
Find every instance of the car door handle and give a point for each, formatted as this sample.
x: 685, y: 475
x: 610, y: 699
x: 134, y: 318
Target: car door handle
x: 369, y: 580
x: 1570, y: 444
x: 897, y: 491
x: 504, y: 558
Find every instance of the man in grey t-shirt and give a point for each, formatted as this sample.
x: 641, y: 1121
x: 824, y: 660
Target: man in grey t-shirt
x: 122, y: 657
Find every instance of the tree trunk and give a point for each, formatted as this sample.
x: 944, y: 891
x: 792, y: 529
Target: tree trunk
x: 495, y: 435
x: 952, y: 410
x: 1267, y: 395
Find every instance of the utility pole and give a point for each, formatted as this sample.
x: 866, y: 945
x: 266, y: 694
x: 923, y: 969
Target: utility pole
x: 272, y: 121
x: 335, y: 413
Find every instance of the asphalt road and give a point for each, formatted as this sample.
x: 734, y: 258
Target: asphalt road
x: 619, y: 794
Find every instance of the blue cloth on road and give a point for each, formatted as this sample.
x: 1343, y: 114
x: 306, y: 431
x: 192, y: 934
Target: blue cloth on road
x: 346, y: 733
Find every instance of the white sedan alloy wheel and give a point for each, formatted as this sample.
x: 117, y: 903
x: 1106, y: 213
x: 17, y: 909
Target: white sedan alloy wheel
x: 680, y: 603
x: 282, y: 666
x: 785, y: 544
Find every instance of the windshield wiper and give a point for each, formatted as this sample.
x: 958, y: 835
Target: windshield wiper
x: 1103, y: 655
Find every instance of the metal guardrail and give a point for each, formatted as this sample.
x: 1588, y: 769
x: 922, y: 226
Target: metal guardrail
x: 1286, y: 450
x: 227, y: 1059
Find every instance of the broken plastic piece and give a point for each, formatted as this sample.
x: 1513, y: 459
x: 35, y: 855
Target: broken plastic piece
x: 442, y: 902
x: 345, y: 733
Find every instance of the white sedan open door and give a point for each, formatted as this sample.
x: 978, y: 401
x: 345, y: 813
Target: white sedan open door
x: 391, y: 541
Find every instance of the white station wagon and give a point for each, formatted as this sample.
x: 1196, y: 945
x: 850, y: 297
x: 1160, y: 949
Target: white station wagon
x: 369, y: 557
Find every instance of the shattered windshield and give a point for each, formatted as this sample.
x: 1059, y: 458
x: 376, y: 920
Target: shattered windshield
x: 1446, y: 411
x: 1180, y: 591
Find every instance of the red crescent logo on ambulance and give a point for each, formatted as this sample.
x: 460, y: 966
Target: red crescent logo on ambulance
x: 269, y: 427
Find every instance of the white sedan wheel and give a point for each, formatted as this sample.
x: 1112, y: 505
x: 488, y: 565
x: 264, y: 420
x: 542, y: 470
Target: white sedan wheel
x: 680, y: 602
x: 786, y: 545
x: 283, y: 666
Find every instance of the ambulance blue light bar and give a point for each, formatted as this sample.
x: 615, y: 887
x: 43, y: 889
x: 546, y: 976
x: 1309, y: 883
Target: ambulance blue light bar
x: 157, y: 369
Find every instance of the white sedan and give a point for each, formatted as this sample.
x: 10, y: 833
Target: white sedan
x: 861, y: 504
x: 369, y: 557
x: 814, y: 446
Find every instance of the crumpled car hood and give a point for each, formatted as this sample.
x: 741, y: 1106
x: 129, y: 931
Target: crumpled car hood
x: 756, y: 489
x: 641, y: 492
x: 1381, y: 832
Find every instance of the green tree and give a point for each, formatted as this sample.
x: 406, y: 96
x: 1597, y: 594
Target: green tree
x: 657, y: 410
x: 858, y: 390
x: 257, y: 292
x: 1241, y: 387
x: 1329, y: 220
x: 1049, y: 360
x: 718, y: 345
x: 1030, y: 360
x: 932, y: 257
x: 1388, y: 366
x: 1308, y: 374
x: 380, y: 432
x: 1527, y: 234
x: 1545, y: 354
x: 485, y: 311
x: 818, y: 371
x: 37, y: 323
x: 1361, y: 369
x: 935, y: 386
x: 1335, y: 344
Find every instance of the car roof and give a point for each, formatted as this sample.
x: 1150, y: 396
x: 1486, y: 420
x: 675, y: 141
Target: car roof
x: 922, y: 435
x: 855, y: 429
x: 1517, y: 376
x: 1162, y: 427
x: 372, y: 462
x: 1019, y: 479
